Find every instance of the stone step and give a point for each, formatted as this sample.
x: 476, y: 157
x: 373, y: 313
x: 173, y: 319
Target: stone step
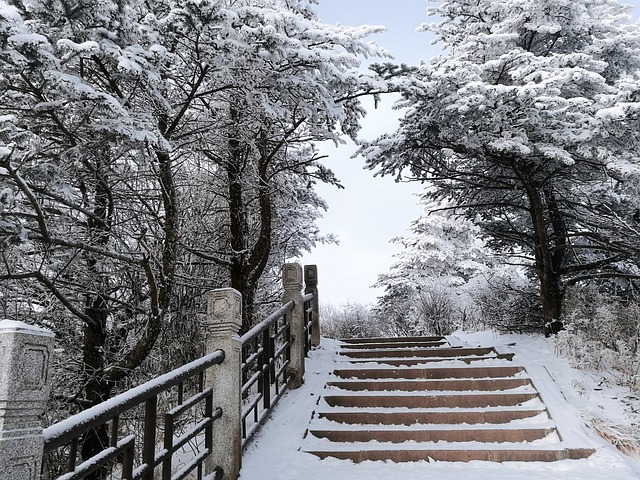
x: 408, y: 362
x: 414, y: 399
x: 458, y: 455
x: 430, y: 373
x: 458, y: 416
x: 466, y: 400
x: 418, y: 352
x: 392, y: 340
x: 485, y: 435
x: 432, y: 385
x: 391, y: 345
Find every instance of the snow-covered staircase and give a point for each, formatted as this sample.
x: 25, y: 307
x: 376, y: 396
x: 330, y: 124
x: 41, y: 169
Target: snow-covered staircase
x: 410, y: 399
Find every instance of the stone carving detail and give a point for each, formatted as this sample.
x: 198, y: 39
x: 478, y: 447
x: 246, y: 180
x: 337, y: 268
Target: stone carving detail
x: 292, y: 276
x: 224, y: 315
x: 311, y: 275
x: 35, y: 362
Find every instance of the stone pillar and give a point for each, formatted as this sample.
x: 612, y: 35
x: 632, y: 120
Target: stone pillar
x: 25, y: 358
x: 223, y: 322
x: 292, y: 280
x: 311, y: 286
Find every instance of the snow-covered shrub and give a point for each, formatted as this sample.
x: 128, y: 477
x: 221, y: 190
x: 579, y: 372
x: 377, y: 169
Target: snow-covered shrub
x: 504, y: 299
x: 429, y: 310
x: 603, y: 334
x: 351, y: 320
x: 435, y: 309
x: 625, y: 438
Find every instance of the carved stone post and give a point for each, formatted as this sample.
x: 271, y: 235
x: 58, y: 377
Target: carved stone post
x: 292, y: 280
x: 223, y: 322
x: 25, y: 357
x: 311, y: 286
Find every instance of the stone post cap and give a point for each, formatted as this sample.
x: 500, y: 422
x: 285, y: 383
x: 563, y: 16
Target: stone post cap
x: 224, y: 312
x: 292, y: 276
x: 311, y: 275
x: 25, y: 358
x: 12, y: 326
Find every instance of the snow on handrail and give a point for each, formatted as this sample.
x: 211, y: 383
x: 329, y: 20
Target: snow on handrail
x: 266, y: 323
x: 66, y: 430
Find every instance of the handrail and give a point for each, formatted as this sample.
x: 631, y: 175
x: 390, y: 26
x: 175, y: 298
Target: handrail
x: 70, y: 430
x: 308, y: 321
x: 267, y: 322
x: 66, y: 430
x: 265, y: 361
x: 123, y: 437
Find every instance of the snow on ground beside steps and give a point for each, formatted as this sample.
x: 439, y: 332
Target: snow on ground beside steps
x: 275, y: 453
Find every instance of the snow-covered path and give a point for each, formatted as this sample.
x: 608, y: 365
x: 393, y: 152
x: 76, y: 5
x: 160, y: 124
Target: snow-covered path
x: 275, y: 453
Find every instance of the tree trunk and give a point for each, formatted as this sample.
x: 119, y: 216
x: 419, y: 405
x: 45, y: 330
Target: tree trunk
x: 97, y: 388
x: 249, y: 260
x: 545, y: 252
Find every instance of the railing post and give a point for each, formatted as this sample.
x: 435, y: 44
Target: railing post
x: 292, y: 281
x: 311, y: 286
x: 25, y: 357
x: 224, y: 319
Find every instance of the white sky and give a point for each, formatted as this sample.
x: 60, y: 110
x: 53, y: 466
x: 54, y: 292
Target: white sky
x: 370, y: 210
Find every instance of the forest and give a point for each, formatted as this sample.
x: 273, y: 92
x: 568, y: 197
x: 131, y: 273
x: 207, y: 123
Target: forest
x: 151, y: 151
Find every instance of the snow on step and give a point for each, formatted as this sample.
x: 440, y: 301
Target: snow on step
x: 416, y: 434
x: 434, y: 417
x: 483, y: 384
x: 457, y: 455
x: 431, y: 373
x: 450, y: 410
x: 466, y: 399
x: 416, y: 352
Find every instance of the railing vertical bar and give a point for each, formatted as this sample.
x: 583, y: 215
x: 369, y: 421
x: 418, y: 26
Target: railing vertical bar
x: 208, y: 432
x: 287, y: 338
x: 149, y: 445
x: 272, y: 364
x: 266, y: 370
x: 310, y: 323
x: 73, y: 454
x: 127, y: 461
x: 168, y: 445
x: 180, y: 393
x: 115, y: 425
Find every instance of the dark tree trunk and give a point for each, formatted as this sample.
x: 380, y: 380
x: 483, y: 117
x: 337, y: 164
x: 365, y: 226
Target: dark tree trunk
x: 549, y: 242
x: 249, y: 259
x: 97, y: 388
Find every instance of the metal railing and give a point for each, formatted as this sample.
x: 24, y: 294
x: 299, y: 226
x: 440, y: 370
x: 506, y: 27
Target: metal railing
x: 122, y: 458
x: 308, y: 321
x: 173, y: 427
x: 266, y: 355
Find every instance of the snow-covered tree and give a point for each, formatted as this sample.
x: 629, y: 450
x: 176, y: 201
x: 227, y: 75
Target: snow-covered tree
x: 425, y: 288
x: 148, y: 150
x: 529, y: 123
x: 275, y: 81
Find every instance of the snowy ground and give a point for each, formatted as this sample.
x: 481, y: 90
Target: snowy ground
x: 275, y: 452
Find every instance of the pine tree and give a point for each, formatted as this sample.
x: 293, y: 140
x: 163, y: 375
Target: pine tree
x: 528, y: 123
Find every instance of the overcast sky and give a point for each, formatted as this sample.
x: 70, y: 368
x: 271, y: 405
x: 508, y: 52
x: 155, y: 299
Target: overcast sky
x: 370, y: 210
